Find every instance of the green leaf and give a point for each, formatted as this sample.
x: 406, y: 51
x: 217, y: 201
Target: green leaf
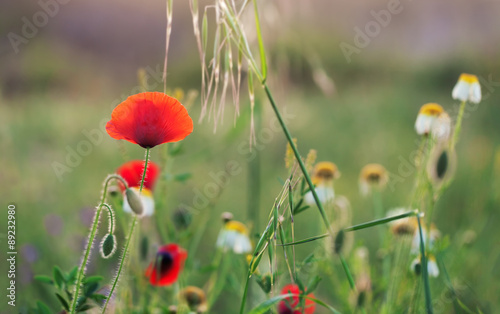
x: 58, y: 277
x: 266, y: 305
x: 92, y: 279
x: 63, y: 301
x: 90, y: 288
x: 72, y: 275
x: 42, y: 308
x: 83, y: 307
x: 98, y: 298
x: 44, y: 279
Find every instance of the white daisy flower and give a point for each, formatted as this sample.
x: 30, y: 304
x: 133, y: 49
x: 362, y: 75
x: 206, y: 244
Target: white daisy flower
x: 427, y: 117
x: 372, y: 176
x: 234, y: 236
x: 323, y: 175
x: 467, y: 88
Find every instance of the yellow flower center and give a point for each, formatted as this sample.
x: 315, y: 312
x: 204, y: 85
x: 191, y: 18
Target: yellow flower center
x: 431, y: 109
x: 468, y: 78
x: 373, y: 173
x: 324, y: 171
x: 236, y: 226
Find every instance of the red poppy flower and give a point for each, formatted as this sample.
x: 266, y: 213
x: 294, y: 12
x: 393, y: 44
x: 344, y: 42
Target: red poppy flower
x: 132, y: 173
x: 150, y: 119
x: 290, y: 305
x: 168, y: 264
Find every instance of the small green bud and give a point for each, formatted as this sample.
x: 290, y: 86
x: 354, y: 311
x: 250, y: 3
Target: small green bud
x: 108, y: 246
x: 134, y: 200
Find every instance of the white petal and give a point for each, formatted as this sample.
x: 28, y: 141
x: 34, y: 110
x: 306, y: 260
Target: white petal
x: 325, y: 195
x: 242, y: 244
x: 432, y: 268
x: 461, y: 91
x: 424, y: 123
x: 475, y: 93
x: 441, y: 128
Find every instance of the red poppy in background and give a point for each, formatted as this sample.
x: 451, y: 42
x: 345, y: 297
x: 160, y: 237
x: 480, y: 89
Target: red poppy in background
x: 168, y: 263
x: 291, y: 304
x: 150, y: 119
x: 132, y: 173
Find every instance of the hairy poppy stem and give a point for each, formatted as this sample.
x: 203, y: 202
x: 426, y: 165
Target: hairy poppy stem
x: 93, y: 231
x: 129, y: 238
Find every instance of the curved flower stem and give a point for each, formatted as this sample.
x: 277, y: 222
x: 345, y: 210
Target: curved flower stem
x: 93, y: 231
x: 299, y: 158
x: 129, y: 238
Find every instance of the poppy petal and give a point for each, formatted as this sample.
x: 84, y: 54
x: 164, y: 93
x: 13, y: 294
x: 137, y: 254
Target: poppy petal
x: 150, y: 119
x: 167, y: 266
x: 132, y: 173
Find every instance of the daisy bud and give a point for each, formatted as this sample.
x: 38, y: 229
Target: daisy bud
x: 108, y: 246
x: 134, y: 201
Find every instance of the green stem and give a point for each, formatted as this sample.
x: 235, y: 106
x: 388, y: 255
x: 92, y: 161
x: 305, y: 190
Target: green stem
x: 299, y: 158
x: 458, y: 125
x: 93, y: 231
x: 357, y: 227
x: 129, y: 238
x: 347, y: 271
x: 425, y: 275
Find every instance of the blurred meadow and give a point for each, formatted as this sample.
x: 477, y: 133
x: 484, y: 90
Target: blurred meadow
x: 58, y: 90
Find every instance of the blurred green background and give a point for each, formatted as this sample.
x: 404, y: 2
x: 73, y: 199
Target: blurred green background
x: 67, y: 79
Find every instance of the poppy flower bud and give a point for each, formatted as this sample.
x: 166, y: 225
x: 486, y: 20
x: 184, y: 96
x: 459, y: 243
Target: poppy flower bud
x: 339, y: 241
x: 108, y: 246
x: 134, y: 200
